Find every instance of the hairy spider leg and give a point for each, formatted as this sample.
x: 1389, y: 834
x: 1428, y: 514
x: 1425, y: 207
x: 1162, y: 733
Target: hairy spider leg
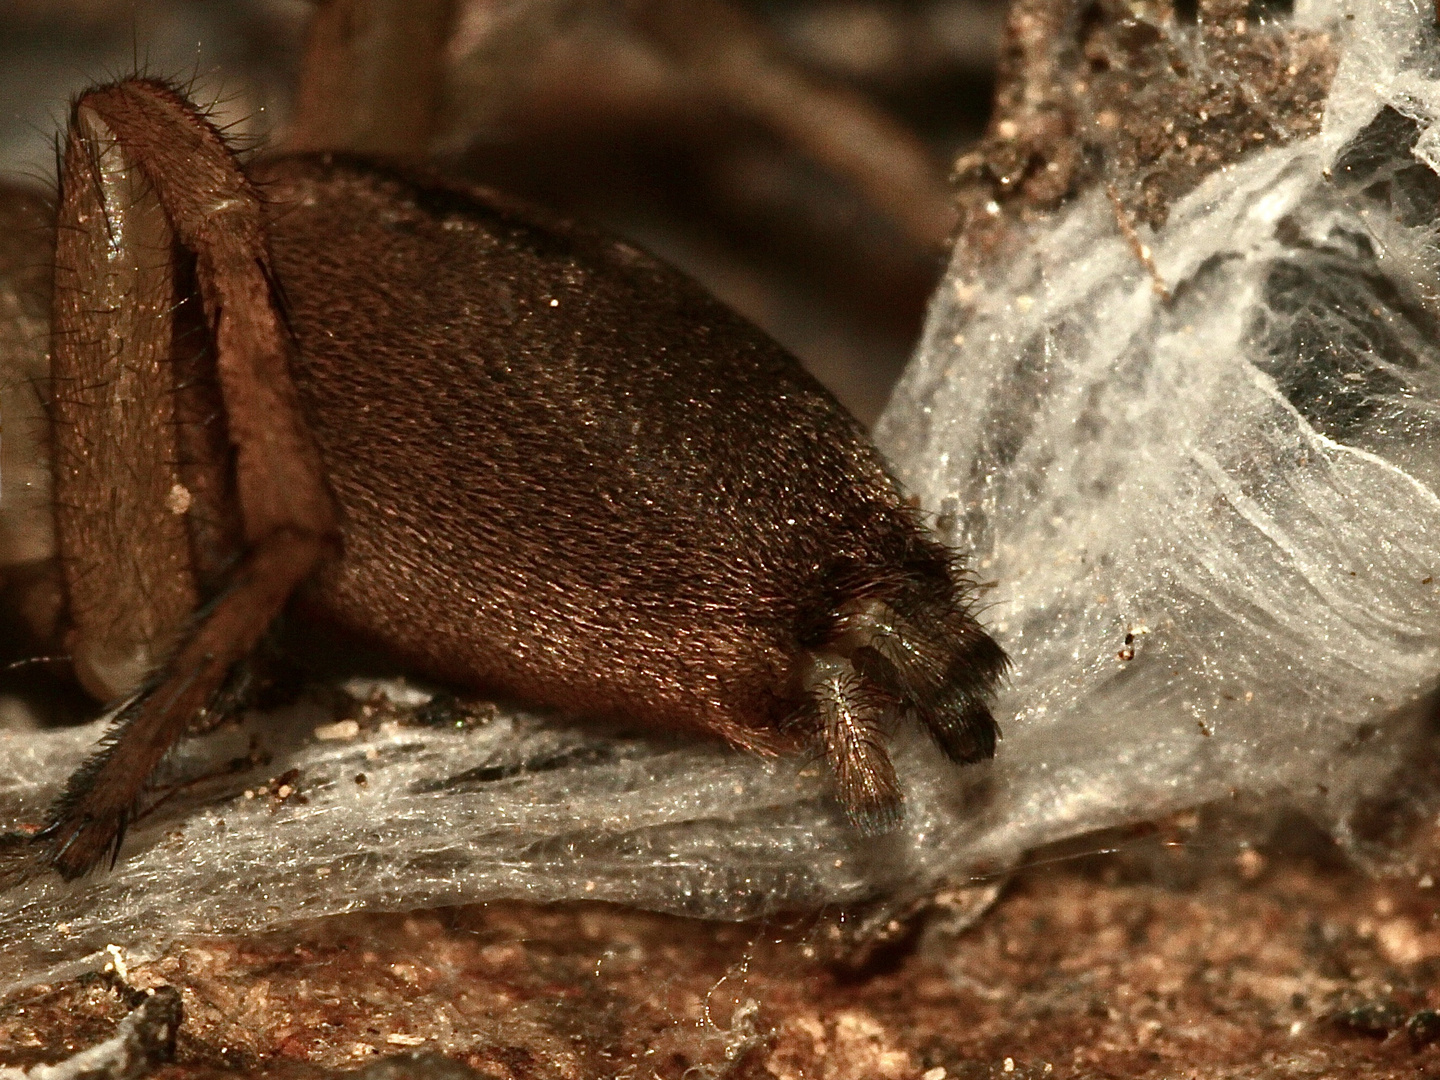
x: 145, y: 128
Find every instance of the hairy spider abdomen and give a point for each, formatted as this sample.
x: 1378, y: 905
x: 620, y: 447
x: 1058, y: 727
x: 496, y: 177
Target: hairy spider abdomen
x: 567, y: 474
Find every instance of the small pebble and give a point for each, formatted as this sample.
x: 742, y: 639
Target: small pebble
x: 339, y: 731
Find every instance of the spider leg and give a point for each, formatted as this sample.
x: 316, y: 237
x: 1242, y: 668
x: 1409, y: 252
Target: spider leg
x: 89, y: 820
x: 141, y: 140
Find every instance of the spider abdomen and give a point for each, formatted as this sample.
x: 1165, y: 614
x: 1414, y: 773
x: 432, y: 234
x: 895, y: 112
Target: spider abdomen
x: 568, y: 475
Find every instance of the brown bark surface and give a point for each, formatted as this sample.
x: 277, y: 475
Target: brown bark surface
x: 1180, y: 964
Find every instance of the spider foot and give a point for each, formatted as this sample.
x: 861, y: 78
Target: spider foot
x: 21, y: 858
x: 71, y: 846
x: 74, y: 845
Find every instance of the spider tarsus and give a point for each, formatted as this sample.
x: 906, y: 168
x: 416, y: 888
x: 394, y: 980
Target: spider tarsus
x: 91, y: 817
x: 85, y: 845
x: 72, y: 848
x: 21, y: 858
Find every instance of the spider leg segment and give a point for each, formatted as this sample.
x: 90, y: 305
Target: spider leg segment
x: 137, y: 151
x: 89, y: 820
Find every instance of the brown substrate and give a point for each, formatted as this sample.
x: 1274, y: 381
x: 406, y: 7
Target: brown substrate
x: 1272, y: 966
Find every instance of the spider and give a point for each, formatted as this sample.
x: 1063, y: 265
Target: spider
x: 511, y: 452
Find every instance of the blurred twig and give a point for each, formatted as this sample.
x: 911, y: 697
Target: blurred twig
x: 736, y: 57
x: 373, y: 76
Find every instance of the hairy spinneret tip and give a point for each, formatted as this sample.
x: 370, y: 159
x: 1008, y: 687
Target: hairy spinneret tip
x: 878, y: 818
x: 906, y: 645
x: 966, y: 735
